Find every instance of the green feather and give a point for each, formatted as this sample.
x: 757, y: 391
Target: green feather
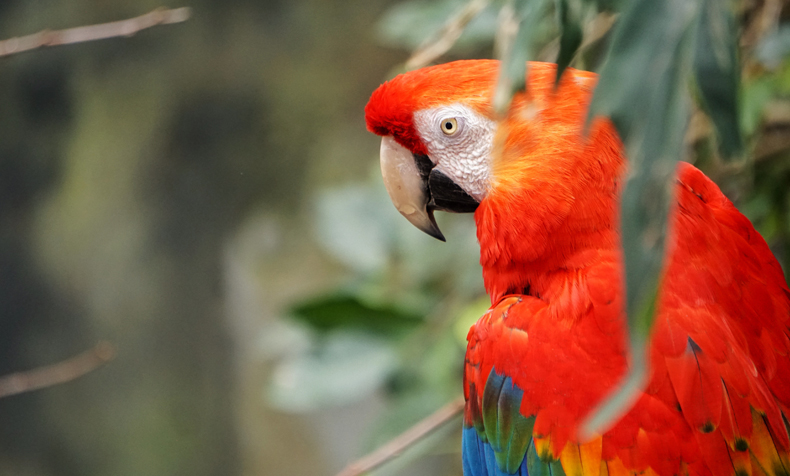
x: 490, y: 409
x: 506, y: 429
x: 519, y: 441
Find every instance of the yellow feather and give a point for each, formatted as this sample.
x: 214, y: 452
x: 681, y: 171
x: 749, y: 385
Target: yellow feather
x: 591, y: 456
x: 617, y: 468
x: 571, y: 460
x: 582, y: 460
x: 762, y: 446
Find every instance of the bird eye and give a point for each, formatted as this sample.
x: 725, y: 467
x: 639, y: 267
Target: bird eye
x: 450, y: 126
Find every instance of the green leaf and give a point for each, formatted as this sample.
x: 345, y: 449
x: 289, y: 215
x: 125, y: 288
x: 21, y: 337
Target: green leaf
x: 410, y: 24
x: 608, y: 5
x: 756, y: 95
x: 468, y: 316
x: 347, y: 311
x: 340, y: 368
x: 351, y: 226
x: 518, y: 49
x: 717, y: 72
x: 570, y: 34
x: 642, y: 89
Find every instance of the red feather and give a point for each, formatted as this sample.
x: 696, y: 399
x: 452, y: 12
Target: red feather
x: 719, y: 388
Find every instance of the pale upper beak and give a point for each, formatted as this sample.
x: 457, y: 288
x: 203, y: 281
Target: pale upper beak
x: 417, y: 187
x: 407, y: 186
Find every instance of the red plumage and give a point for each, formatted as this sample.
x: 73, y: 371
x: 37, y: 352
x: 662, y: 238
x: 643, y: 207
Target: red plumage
x: 719, y: 386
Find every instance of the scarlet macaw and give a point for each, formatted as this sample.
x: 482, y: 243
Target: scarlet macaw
x: 553, y: 343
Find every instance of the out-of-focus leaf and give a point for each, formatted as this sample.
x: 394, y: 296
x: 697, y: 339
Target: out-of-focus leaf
x: 349, y: 312
x: 775, y: 47
x: 570, y: 34
x: 469, y: 316
x: 341, y: 368
x: 282, y: 338
x: 353, y: 227
x: 645, y: 45
x: 516, y: 49
x: 447, y: 37
x: 442, y: 365
x: 409, y: 24
x: 757, y: 208
x: 756, y: 94
x: 359, y: 227
x: 642, y: 89
x: 782, y: 77
x: 717, y: 72
x: 607, y: 5
x: 453, y: 265
x: 768, y: 208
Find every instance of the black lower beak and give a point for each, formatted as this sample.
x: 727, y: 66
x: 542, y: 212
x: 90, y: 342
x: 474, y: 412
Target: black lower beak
x: 443, y: 193
x: 448, y: 196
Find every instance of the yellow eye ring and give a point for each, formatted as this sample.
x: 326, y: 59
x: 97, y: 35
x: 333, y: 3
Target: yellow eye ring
x: 449, y: 126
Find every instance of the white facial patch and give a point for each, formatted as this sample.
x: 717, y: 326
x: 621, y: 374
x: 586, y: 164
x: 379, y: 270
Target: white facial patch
x: 463, y: 154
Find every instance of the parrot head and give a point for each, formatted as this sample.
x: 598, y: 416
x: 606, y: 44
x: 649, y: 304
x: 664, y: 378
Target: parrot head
x: 437, y: 129
x: 543, y: 190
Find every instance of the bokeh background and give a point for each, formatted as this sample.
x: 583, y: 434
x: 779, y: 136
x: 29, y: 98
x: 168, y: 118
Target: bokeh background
x: 205, y: 197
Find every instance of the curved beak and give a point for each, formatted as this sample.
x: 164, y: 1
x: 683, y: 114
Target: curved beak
x: 417, y: 187
x: 407, y: 186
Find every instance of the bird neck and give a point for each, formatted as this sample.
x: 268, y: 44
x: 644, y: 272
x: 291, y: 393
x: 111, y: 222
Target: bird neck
x: 541, y: 233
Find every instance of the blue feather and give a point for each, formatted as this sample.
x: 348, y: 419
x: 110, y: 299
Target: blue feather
x: 498, y: 448
x: 480, y: 460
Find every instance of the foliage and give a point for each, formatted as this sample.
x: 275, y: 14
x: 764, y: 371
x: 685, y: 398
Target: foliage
x: 722, y: 64
x: 152, y: 194
x: 403, y: 294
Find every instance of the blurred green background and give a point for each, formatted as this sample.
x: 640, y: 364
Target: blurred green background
x: 205, y: 197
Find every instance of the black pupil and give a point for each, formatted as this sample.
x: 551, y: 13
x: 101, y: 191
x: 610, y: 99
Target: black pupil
x: 448, y: 125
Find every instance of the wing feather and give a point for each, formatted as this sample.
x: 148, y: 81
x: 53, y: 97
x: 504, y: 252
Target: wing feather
x: 719, y: 390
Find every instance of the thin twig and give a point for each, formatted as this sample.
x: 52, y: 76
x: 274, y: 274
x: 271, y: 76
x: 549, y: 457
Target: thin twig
x: 505, y: 38
x: 507, y: 28
x: 60, y: 372
x: 406, y: 439
x: 447, y: 37
x: 80, y: 34
x: 763, y: 21
x: 594, y: 30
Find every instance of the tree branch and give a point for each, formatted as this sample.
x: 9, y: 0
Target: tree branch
x: 401, y: 442
x: 80, y: 34
x: 446, y: 38
x: 60, y: 372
